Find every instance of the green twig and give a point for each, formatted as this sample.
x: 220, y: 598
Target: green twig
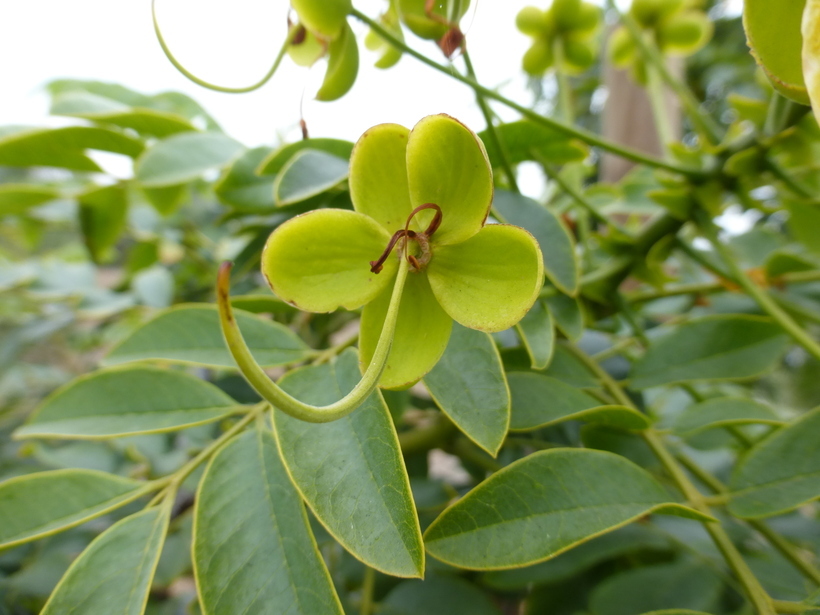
x: 783, y: 546
x: 763, y: 299
x: 754, y: 591
x: 584, y: 135
x: 368, y: 585
x: 578, y: 197
x: 428, y: 437
x: 177, y: 478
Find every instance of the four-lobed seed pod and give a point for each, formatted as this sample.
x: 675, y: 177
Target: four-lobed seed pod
x: 567, y: 29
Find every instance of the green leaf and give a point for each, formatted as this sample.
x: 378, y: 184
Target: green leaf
x: 711, y: 348
x: 544, y: 504
x: 191, y: 334
x: 437, y: 595
x: 724, y: 412
x: 567, y: 314
x: 103, y: 213
x: 779, y: 473
x: 184, y: 157
x: 351, y: 472
x: 378, y: 177
x: 468, y: 384
x: 773, y: 34
x: 539, y: 401
x: 567, y: 368
x: 538, y: 334
x: 557, y: 245
x: 320, y: 260
x: 626, y: 540
x: 253, y: 549
x: 277, y: 159
x: 44, y: 503
x: 113, y: 575
x: 683, y: 585
x: 127, y: 401
x: 104, y: 110
x: 804, y: 223
x: 447, y: 165
x: 64, y: 147
x: 525, y: 140
x: 308, y: 173
x: 240, y: 186
x: 490, y: 281
x: 166, y: 200
x: 15, y: 199
x: 421, y: 335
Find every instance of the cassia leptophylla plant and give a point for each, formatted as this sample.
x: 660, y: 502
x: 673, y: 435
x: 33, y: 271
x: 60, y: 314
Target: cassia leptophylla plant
x: 675, y: 27
x: 563, y: 36
x: 415, y: 252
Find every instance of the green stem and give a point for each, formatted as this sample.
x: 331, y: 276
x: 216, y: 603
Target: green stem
x: 540, y: 445
x: 269, y: 391
x: 763, y: 299
x: 788, y: 181
x: 491, y: 130
x: 466, y: 450
x: 754, y: 591
x: 705, y: 123
x: 584, y: 135
x: 173, y: 481
x: 326, y: 355
x: 368, y: 585
x: 578, y: 197
x: 786, y: 606
x: 783, y: 546
x: 428, y: 437
x: 211, y: 86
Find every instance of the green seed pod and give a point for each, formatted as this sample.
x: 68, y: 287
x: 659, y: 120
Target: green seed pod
x: 578, y: 55
x: 621, y: 48
x: 538, y: 58
x: 306, y: 49
x: 566, y: 14
x: 325, y: 18
x: 589, y: 20
x: 415, y: 17
x: 649, y: 12
x: 342, y: 66
x: 532, y: 21
x: 684, y: 34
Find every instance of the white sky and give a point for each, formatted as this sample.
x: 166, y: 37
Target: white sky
x: 232, y: 43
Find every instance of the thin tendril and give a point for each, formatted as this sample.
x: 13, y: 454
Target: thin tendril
x: 292, y: 30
